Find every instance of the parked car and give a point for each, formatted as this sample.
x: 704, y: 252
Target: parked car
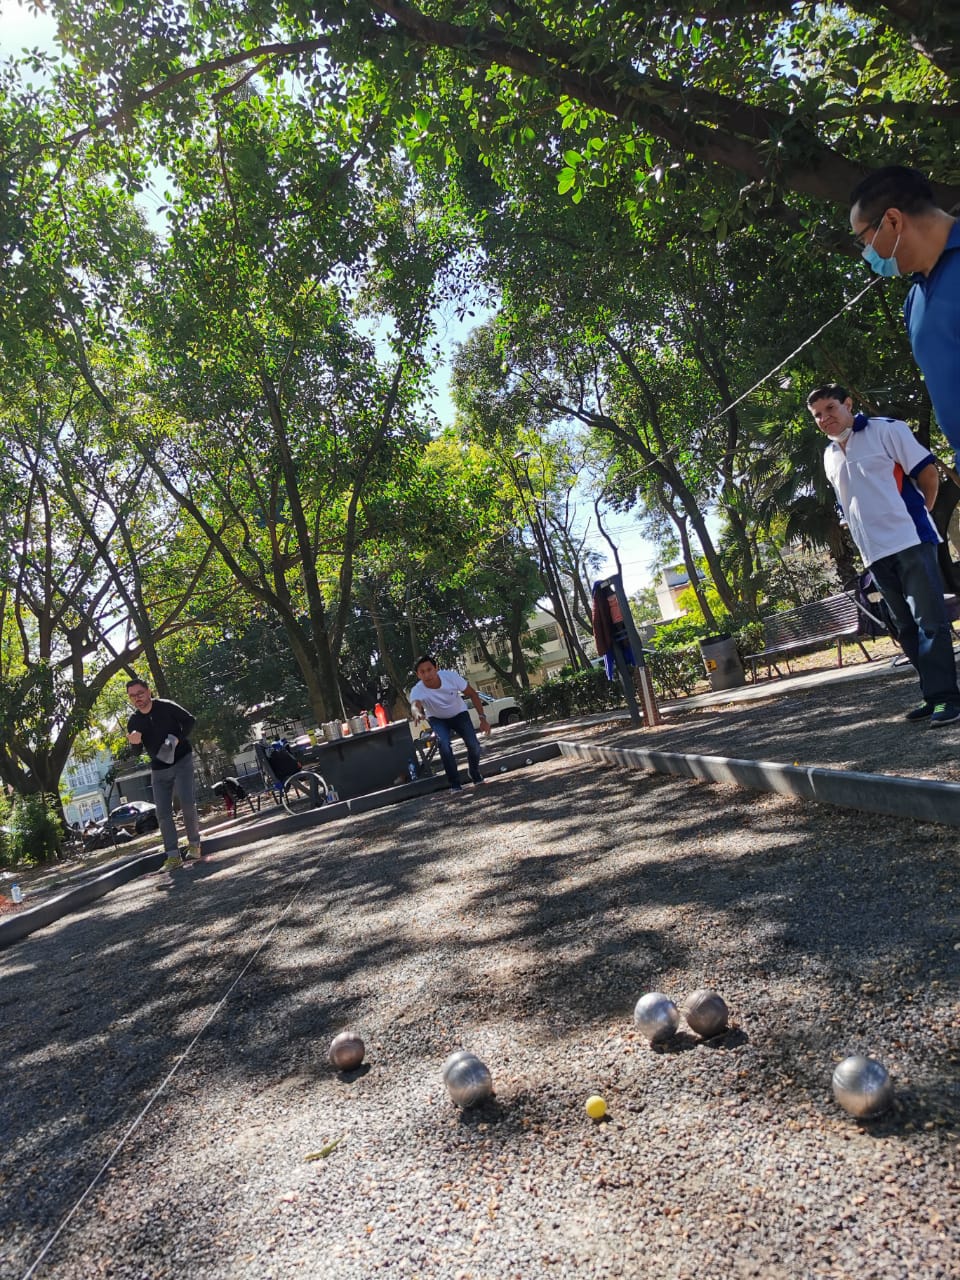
x: 135, y: 815
x: 497, y: 710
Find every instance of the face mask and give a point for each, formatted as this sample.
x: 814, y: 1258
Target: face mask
x: 882, y: 266
x: 843, y: 435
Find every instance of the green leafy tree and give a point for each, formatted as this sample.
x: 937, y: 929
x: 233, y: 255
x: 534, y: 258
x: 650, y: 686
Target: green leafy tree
x: 787, y: 97
x: 98, y: 563
x: 449, y: 571
x: 288, y: 424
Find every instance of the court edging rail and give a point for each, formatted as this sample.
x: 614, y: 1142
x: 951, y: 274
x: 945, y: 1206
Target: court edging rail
x: 922, y: 799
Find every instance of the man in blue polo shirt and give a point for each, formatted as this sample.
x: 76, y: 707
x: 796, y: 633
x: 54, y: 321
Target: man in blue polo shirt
x: 886, y: 482
x: 901, y: 231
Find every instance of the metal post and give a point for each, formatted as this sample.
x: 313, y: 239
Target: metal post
x: 623, y: 671
x: 651, y: 709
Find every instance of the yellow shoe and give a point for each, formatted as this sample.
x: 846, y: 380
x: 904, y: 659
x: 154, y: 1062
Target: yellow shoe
x: 173, y: 863
x: 193, y: 853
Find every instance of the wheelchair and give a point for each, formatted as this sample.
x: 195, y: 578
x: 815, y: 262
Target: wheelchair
x: 303, y: 791
x: 424, y: 750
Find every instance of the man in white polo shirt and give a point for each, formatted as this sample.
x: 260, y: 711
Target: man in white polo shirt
x: 439, y: 695
x: 886, y: 484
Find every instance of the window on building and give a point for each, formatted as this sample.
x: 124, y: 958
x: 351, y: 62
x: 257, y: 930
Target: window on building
x: 82, y: 775
x: 540, y: 636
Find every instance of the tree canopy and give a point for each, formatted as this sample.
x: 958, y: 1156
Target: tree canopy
x: 227, y: 231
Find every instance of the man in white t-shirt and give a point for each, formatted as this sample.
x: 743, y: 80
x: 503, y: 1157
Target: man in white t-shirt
x: 886, y: 483
x: 439, y: 695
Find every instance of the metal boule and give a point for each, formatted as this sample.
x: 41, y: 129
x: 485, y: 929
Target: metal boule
x: 862, y: 1086
x: 468, y: 1080
x: 657, y: 1016
x: 706, y: 1012
x: 346, y: 1051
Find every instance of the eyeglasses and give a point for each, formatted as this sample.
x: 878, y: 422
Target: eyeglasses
x: 859, y: 239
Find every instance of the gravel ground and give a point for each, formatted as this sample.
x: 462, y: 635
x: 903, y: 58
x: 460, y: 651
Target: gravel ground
x: 521, y: 921
x: 855, y: 724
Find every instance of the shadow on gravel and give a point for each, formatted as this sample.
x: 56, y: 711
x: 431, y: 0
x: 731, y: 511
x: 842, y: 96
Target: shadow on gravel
x: 856, y: 726
x: 566, y: 894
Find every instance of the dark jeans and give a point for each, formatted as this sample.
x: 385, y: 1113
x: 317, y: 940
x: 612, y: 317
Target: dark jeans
x: 463, y: 725
x: 913, y: 589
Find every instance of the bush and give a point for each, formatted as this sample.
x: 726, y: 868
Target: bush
x: 680, y: 633
x: 35, y: 833
x: 571, y: 695
x: 749, y: 639
x: 674, y: 673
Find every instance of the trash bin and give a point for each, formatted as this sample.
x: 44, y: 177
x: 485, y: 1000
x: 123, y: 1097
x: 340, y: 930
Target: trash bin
x: 720, y: 657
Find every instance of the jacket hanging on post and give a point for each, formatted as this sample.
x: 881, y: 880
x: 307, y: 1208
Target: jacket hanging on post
x: 605, y: 632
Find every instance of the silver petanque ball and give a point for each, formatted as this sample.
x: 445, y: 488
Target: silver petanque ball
x: 452, y: 1061
x: 657, y: 1016
x: 706, y: 1012
x: 863, y: 1087
x: 346, y: 1051
x: 468, y: 1080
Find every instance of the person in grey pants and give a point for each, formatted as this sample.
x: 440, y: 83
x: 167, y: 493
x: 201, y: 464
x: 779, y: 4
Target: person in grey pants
x: 162, y: 728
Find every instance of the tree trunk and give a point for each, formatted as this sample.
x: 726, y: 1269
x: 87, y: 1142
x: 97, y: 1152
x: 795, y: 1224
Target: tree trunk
x: 386, y: 657
x: 693, y: 573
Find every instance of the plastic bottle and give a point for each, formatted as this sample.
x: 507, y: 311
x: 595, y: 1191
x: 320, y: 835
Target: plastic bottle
x: 16, y: 893
x: 381, y: 715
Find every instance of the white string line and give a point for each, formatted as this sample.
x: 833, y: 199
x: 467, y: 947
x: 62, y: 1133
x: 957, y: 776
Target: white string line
x: 766, y: 378
x: 163, y: 1084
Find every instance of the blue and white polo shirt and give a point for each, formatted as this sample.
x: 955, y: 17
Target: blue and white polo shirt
x: 873, y: 479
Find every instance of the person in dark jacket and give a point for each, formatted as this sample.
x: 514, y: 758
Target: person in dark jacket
x: 162, y: 728
x: 282, y: 760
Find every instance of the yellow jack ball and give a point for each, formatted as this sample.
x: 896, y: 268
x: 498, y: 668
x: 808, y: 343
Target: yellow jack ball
x: 595, y: 1107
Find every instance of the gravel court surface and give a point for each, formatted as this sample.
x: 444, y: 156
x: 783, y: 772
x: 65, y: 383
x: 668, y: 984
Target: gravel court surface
x: 857, y: 724
x: 521, y: 921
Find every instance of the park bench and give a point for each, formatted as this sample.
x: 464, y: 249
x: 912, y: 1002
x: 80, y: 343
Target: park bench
x: 795, y: 631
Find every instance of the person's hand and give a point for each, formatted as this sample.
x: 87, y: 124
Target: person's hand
x: 484, y: 725
x: 134, y: 738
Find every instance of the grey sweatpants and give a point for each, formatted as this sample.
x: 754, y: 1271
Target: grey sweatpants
x: 179, y: 776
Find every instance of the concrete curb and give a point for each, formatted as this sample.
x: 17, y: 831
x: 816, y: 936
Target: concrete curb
x: 920, y: 799
x: 14, y: 928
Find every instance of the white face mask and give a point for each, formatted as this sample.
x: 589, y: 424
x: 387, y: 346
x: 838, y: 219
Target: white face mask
x: 842, y: 436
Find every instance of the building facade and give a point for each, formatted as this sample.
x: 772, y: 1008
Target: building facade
x: 543, y: 645
x: 83, y: 783
x: 669, y: 587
